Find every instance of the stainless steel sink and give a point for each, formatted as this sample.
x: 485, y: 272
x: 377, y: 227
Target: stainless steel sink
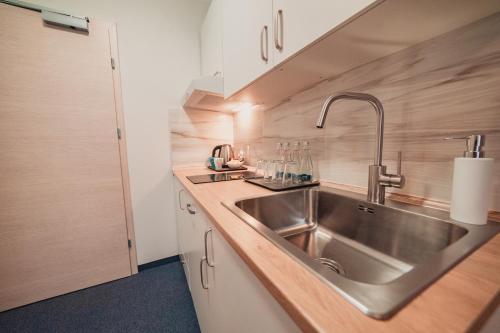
x: 377, y: 256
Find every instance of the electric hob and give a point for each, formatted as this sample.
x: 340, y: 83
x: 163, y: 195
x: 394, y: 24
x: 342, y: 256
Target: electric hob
x: 221, y: 177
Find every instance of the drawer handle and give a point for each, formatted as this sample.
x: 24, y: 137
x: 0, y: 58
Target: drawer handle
x: 204, y: 259
x: 190, y: 209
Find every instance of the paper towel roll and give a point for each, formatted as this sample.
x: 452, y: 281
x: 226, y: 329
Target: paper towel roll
x: 472, y: 189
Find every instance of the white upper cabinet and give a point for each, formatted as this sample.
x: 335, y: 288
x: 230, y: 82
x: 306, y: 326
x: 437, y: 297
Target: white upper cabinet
x: 211, y: 40
x: 297, y: 23
x: 260, y: 34
x: 247, y: 38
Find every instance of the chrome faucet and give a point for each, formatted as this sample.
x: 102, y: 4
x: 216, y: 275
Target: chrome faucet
x: 378, y: 179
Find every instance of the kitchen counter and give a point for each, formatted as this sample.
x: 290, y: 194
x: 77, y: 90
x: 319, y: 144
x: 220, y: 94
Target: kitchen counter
x: 458, y: 302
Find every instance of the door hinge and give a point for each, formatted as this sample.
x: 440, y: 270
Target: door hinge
x: 119, y: 133
x: 113, y: 63
x: 129, y: 243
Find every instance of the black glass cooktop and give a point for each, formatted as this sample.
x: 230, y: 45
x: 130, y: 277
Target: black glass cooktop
x: 221, y: 177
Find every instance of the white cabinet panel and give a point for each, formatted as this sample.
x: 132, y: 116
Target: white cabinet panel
x: 298, y: 23
x: 291, y: 26
x: 195, y: 232
x: 244, y: 22
x: 181, y: 221
x: 239, y: 302
x: 211, y: 40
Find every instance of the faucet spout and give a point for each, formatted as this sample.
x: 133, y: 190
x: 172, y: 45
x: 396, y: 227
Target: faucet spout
x: 377, y: 106
x: 378, y: 179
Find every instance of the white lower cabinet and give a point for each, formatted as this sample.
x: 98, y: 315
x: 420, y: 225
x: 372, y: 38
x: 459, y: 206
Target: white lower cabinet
x: 181, y: 216
x: 226, y: 294
x: 238, y: 300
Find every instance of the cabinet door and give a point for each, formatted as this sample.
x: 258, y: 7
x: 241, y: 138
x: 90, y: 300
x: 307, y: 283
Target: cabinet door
x: 246, y: 44
x: 211, y: 40
x: 181, y: 216
x: 238, y: 300
x: 299, y: 23
x: 198, y: 269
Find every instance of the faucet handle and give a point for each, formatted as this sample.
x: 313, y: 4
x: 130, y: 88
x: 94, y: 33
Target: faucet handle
x: 400, y: 157
x: 399, y: 180
x: 391, y: 180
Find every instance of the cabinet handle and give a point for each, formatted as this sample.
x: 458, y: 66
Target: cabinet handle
x: 210, y: 264
x: 278, y: 30
x: 264, y: 55
x: 204, y: 259
x: 191, y: 211
x: 180, y: 203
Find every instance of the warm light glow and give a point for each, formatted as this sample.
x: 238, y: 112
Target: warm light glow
x: 243, y: 107
x: 244, y: 118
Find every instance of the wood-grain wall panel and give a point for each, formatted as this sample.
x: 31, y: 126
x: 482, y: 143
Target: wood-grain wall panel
x: 194, y: 133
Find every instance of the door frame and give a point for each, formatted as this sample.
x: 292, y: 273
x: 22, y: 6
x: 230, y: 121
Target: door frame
x: 122, y: 143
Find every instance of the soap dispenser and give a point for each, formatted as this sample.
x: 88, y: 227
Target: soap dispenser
x: 472, y: 183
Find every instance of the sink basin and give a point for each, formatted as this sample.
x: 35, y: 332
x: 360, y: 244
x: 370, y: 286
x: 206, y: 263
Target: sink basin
x: 378, y: 257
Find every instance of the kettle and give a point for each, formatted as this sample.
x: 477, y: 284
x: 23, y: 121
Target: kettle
x: 224, y: 151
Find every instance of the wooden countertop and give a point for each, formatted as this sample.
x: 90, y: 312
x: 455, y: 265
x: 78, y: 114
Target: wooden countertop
x: 458, y: 302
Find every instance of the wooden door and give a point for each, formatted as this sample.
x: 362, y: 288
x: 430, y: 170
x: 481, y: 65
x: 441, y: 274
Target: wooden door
x: 243, y: 23
x: 62, y: 212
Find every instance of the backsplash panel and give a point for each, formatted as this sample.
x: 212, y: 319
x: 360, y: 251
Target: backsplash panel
x: 194, y: 133
x: 447, y: 86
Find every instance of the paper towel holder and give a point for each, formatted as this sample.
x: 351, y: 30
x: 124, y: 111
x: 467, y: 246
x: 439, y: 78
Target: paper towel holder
x: 473, y: 145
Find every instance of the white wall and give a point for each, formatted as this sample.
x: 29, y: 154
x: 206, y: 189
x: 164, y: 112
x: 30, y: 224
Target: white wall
x: 158, y: 42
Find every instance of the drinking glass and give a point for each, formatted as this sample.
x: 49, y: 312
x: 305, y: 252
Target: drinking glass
x: 290, y: 173
x: 270, y: 172
x: 260, y: 169
x: 279, y: 166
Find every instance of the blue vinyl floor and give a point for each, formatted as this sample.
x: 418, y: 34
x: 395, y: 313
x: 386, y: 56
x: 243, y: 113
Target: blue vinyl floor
x: 155, y: 300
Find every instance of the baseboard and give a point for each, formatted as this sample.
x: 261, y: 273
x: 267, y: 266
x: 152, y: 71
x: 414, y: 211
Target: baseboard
x: 159, y: 262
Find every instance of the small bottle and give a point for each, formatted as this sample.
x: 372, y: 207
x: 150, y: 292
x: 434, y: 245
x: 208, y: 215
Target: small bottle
x: 286, y: 152
x: 279, y: 151
x: 295, y: 157
x: 296, y: 152
x: 280, y: 158
x: 472, y: 183
x: 306, y: 165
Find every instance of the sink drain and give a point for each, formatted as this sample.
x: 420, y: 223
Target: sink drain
x: 332, y: 265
